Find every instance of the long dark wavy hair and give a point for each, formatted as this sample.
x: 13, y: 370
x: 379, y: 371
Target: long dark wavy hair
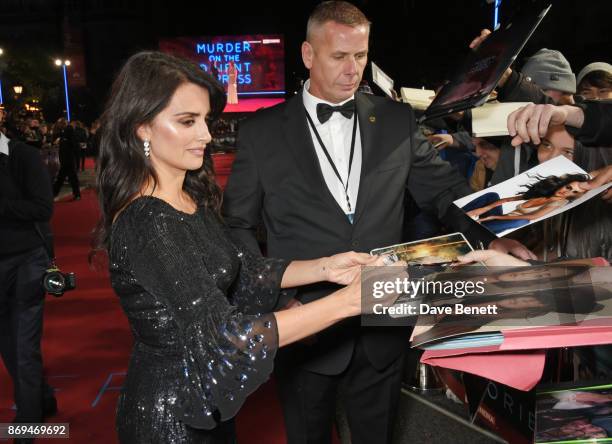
x: 548, y: 186
x: 143, y: 88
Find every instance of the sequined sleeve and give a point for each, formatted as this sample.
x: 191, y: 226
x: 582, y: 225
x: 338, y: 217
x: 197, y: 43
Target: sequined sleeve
x: 225, y: 354
x: 257, y: 288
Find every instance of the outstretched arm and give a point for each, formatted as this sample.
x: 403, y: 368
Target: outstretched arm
x: 339, y: 268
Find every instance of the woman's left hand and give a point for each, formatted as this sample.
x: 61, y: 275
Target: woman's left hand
x: 344, y: 267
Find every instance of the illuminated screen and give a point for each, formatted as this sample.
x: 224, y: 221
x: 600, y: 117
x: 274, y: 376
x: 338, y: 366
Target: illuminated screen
x: 259, y: 60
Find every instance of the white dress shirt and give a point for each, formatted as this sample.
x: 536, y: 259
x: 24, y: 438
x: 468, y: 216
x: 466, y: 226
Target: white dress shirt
x: 4, y: 147
x: 336, y: 134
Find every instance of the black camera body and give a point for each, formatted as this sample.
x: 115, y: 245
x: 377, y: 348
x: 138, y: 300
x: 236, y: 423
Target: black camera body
x: 57, y: 283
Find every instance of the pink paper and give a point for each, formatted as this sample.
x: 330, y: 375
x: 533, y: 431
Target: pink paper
x: 556, y: 337
x: 521, y: 370
x: 519, y: 361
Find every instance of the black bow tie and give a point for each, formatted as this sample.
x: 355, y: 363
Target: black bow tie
x: 325, y: 111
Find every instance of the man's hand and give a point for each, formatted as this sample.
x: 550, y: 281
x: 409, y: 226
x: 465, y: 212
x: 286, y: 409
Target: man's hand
x: 530, y: 123
x: 601, y: 177
x: 440, y: 141
x: 484, y: 34
x: 481, y: 38
x: 510, y: 246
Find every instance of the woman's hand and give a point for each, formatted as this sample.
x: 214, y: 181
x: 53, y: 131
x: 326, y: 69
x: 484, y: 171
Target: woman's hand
x: 491, y: 258
x: 343, y: 268
x: 377, y: 272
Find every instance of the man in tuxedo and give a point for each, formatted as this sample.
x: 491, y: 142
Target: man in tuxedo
x: 328, y: 172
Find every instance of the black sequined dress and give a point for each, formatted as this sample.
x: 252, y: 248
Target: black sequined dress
x: 199, y: 308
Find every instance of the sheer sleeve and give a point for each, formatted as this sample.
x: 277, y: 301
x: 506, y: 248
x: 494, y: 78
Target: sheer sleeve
x: 225, y: 354
x: 257, y: 288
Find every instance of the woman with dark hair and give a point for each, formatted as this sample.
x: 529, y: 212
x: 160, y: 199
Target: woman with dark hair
x: 199, y: 305
x: 542, y: 197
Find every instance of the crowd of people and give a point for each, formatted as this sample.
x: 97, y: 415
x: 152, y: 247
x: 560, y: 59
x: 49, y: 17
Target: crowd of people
x: 334, y: 172
x: 546, y: 78
x: 64, y: 146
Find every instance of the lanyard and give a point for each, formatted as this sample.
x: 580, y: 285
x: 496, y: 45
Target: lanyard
x: 331, y: 162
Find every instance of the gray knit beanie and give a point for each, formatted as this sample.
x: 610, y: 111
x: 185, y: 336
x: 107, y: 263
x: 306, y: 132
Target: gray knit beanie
x: 591, y: 67
x: 548, y: 69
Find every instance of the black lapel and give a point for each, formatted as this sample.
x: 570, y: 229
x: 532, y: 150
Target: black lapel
x: 370, y: 133
x: 298, y: 138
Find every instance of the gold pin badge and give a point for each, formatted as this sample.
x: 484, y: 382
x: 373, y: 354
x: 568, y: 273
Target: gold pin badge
x: 372, y: 119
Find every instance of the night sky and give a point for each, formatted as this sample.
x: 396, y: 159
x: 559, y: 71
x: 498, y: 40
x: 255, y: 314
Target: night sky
x: 416, y: 42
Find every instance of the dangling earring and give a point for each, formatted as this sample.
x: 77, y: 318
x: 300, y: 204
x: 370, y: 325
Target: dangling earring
x: 147, y: 148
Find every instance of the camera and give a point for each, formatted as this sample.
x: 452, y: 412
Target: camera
x: 56, y: 283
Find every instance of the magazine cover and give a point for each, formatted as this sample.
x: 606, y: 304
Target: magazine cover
x: 574, y: 415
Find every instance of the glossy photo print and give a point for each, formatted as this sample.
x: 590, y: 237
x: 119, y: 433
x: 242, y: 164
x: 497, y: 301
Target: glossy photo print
x: 546, y: 190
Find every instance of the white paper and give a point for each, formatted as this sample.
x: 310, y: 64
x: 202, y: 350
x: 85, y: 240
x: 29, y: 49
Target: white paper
x: 419, y: 98
x: 383, y: 81
x: 491, y: 119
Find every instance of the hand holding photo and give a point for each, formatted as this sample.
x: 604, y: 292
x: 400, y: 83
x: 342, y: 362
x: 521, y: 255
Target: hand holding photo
x: 546, y: 190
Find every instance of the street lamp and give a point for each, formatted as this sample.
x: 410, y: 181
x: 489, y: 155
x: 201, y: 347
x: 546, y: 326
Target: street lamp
x: 1, y: 98
x: 64, y: 64
x: 18, y: 89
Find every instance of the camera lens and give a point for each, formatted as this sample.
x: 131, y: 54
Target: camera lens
x: 54, y: 282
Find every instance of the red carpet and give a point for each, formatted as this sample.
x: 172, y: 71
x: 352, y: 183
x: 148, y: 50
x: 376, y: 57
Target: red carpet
x: 87, y: 343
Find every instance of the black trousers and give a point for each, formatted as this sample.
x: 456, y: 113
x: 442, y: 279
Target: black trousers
x: 21, y: 324
x: 82, y: 159
x: 370, y: 400
x: 68, y: 168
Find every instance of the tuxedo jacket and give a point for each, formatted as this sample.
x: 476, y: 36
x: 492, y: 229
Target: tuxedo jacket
x: 276, y: 176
